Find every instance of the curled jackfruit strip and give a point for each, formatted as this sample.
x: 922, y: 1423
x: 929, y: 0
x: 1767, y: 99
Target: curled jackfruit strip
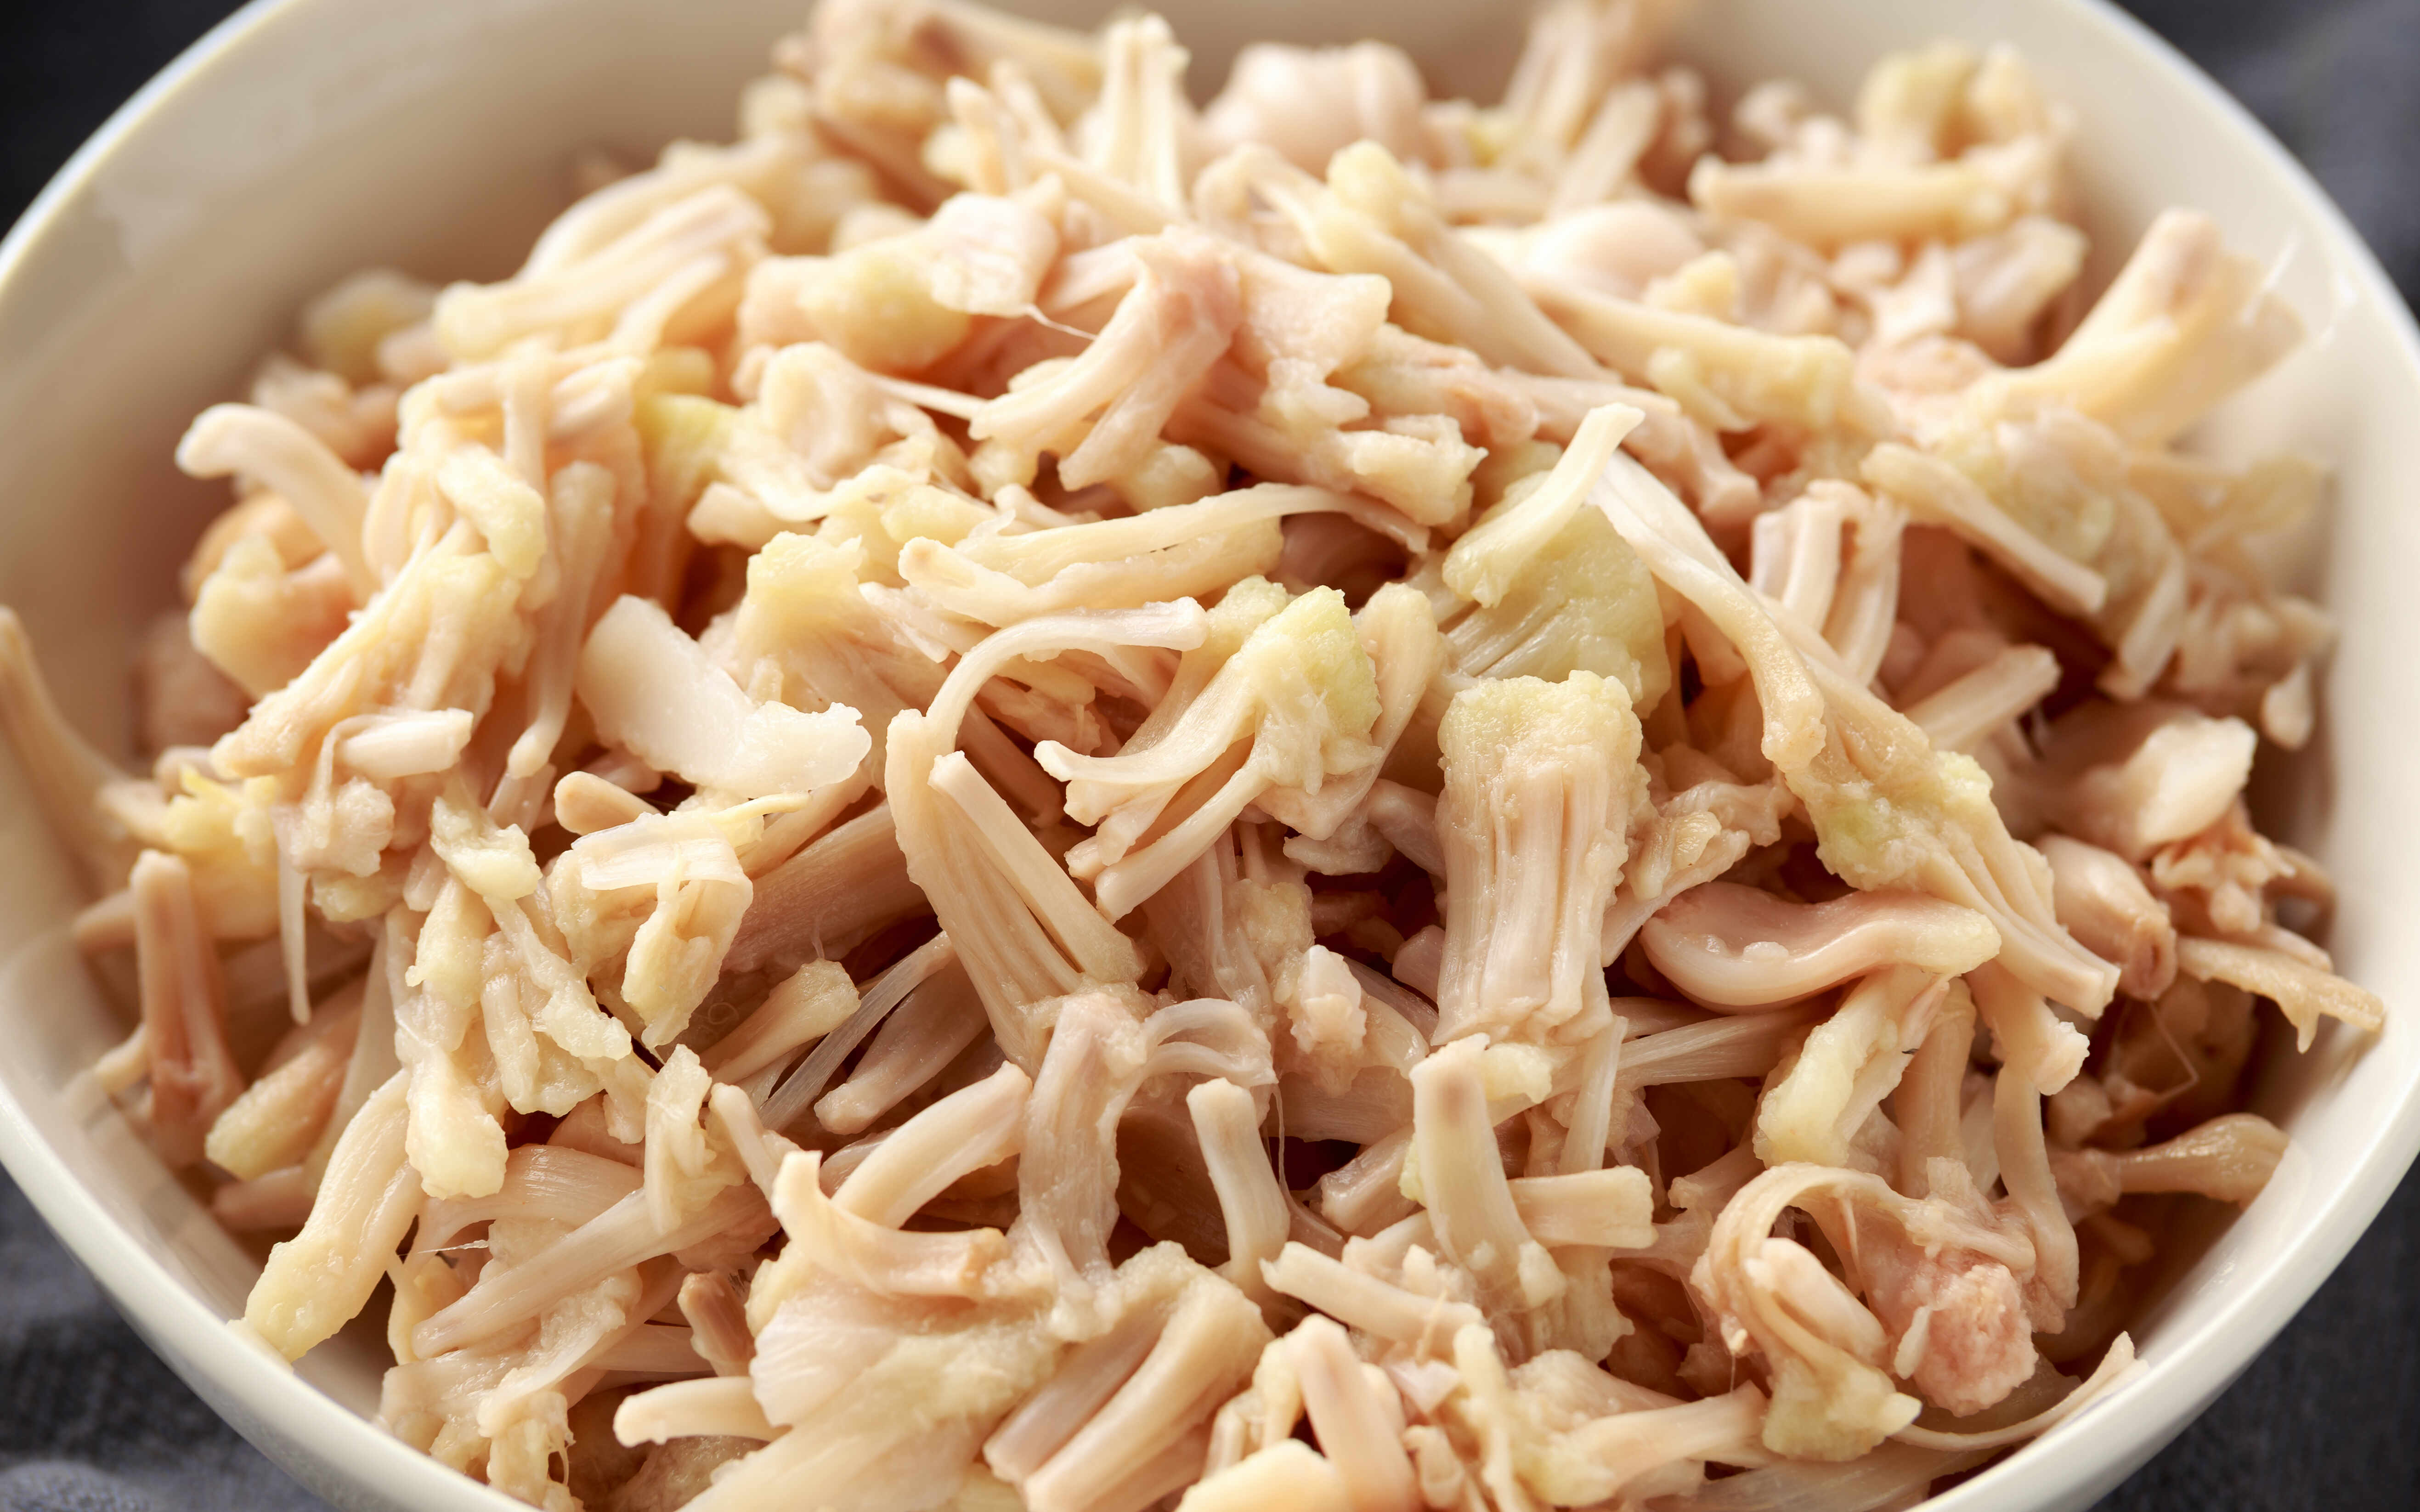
x: 2304, y: 993
x: 2023, y: 1148
x: 2106, y: 905
x: 1250, y: 1199
x: 297, y: 466
x: 2119, y: 1365
x: 1727, y: 946
x: 1957, y: 1285
x: 1832, y: 1399
x: 807, y: 1005
x: 2229, y: 1159
x: 885, y: 1261
x: 2030, y: 1035
x: 1888, y: 811
x: 2185, y: 324
x: 1888, y: 1472
x: 971, y: 1128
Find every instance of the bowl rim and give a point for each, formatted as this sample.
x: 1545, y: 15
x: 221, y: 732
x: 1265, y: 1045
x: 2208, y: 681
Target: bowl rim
x: 329, y: 1448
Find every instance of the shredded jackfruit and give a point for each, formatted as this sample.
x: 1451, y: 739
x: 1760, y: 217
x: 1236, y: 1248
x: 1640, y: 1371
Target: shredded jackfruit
x: 1017, y: 797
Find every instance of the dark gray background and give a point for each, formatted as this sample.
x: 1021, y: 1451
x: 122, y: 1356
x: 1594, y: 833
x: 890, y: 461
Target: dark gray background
x: 2328, y: 1417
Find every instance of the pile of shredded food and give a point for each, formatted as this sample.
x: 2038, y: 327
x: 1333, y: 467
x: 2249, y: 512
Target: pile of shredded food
x: 1020, y: 797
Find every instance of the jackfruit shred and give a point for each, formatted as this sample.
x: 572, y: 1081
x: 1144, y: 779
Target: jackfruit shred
x: 1017, y: 796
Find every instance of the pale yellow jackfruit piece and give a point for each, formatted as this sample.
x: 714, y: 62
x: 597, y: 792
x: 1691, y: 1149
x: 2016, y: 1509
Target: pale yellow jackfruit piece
x: 1101, y: 412
x: 434, y: 638
x: 1564, y: 592
x: 877, y: 304
x: 1293, y: 707
x: 314, y: 1282
x: 674, y: 275
x: 655, y: 693
x: 681, y: 437
x: 1976, y: 194
x: 226, y: 832
x: 453, y: 1137
x: 818, y: 431
x: 261, y: 623
x: 1539, y: 782
x: 341, y: 329
x: 2186, y: 324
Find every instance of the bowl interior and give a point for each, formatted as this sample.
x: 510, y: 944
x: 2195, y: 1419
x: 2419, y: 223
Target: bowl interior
x: 316, y: 136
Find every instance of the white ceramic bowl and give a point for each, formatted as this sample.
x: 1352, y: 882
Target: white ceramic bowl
x: 304, y: 138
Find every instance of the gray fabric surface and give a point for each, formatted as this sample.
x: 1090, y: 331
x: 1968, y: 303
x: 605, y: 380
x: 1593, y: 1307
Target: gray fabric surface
x: 90, y: 1421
